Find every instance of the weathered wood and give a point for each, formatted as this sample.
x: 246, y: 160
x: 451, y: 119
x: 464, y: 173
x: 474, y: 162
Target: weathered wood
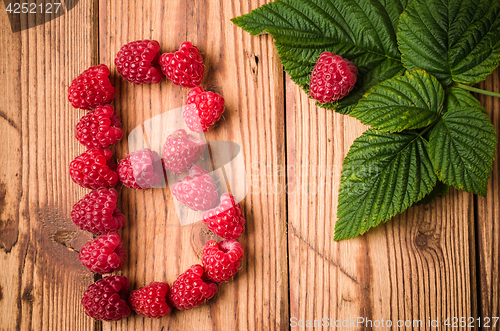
x: 247, y: 73
x: 416, y: 266
x: 488, y: 216
x: 41, y: 281
x: 420, y: 265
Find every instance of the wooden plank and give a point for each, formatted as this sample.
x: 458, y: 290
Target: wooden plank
x: 488, y: 216
x: 41, y: 281
x: 246, y: 71
x: 415, y: 267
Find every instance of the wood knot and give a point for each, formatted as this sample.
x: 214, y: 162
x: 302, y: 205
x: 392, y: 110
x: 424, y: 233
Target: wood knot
x: 28, y: 295
x: 421, y: 240
x: 200, y: 234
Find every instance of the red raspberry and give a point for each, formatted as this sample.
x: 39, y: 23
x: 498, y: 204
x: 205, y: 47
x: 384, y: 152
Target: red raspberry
x: 151, y: 301
x: 137, y: 62
x: 94, y: 169
x: 105, y: 300
x: 191, y: 289
x: 92, y: 88
x: 100, y: 128
x: 202, y: 109
x: 104, y: 254
x: 97, y: 212
x: 227, y: 220
x: 184, y: 67
x: 181, y: 150
x: 141, y: 169
x: 196, y: 190
x: 222, y: 260
x: 332, y: 78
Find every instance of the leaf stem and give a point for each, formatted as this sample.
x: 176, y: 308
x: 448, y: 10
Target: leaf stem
x: 477, y: 90
x: 430, y: 126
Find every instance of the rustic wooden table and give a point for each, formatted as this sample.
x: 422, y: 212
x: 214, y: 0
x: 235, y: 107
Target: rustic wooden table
x: 433, y: 261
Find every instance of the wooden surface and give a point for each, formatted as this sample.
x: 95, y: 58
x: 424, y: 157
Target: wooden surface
x: 433, y: 261
x: 488, y: 216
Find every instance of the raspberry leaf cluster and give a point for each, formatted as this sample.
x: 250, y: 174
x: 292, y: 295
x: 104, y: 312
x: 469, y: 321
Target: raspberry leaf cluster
x: 454, y: 40
x: 415, y: 61
x: 362, y: 31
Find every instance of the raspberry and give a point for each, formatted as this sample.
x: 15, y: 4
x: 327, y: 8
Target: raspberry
x: 196, y: 190
x: 104, y: 254
x: 94, y: 169
x: 106, y: 299
x: 222, y: 260
x: 100, y: 128
x: 184, y: 67
x: 202, y: 109
x: 181, y: 150
x: 97, y: 212
x: 151, y: 301
x: 191, y: 289
x: 137, y: 62
x: 227, y: 220
x: 332, y: 78
x: 92, y: 88
x: 141, y: 169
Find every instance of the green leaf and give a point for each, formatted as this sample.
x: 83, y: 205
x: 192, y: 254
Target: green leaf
x: 440, y: 190
x: 462, y: 149
x: 363, y: 31
x: 457, y: 97
x: 411, y: 101
x: 454, y: 40
x: 383, y: 174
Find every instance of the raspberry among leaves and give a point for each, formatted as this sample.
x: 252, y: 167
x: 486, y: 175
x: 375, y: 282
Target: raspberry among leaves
x: 363, y: 31
x: 105, y: 300
x: 426, y: 128
x: 332, y: 78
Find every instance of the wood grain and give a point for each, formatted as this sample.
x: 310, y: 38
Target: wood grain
x: 415, y: 267
x: 41, y: 281
x: 419, y: 266
x: 246, y: 72
x: 488, y: 215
